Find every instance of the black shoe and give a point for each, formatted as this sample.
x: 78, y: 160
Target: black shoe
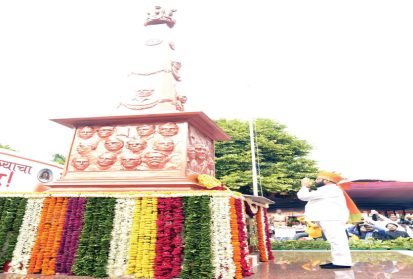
x: 333, y: 266
x: 325, y: 264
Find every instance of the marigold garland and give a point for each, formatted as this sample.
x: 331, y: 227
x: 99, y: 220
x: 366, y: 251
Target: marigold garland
x: 142, y: 251
x: 54, y: 237
x: 157, y: 249
x: 71, y: 233
x: 36, y: 258
x: 267, y: 235
x: 27, y: 236
x: 262, y: 247
x: 169, y: 243
x: 243, y: 238
x: 235, y: 240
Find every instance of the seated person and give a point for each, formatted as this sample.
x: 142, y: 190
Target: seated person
x: 365, y: 230
x: 298, y: 227
x: 311, y: 230
x: 393, y: 233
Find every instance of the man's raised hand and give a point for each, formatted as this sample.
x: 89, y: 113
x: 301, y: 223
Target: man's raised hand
x: 306, y: 182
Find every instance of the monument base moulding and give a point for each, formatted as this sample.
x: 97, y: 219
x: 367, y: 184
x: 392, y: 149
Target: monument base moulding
x: 150, y: 152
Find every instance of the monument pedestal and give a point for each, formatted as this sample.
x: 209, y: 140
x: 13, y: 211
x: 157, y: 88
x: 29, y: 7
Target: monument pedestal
x: 148, y: 152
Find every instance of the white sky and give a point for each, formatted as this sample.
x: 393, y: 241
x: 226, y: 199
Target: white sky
x: 337, y: 73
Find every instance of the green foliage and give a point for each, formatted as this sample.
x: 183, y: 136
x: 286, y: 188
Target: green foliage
x: 364, y: 256
x: 399, y: 243
x: 8, y: 147
x: 300, y: 244
x: 8, y: 210
x: 93, y: 250
x: 282, y: 157
x: 59, y: 158
x: 8, y: 254
x: 197, y: 237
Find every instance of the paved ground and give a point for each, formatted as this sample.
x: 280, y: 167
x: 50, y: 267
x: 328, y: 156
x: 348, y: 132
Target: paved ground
x: 304, y: 264
x: 367, y: 264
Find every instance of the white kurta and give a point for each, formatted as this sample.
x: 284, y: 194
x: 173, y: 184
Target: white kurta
x: 326, y: 203
x: 327, y: 206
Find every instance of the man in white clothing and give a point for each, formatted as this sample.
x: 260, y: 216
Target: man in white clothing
x: 327, y: 207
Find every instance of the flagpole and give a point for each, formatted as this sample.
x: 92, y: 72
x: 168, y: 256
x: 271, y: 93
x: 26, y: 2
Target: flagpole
x: 254, y: 168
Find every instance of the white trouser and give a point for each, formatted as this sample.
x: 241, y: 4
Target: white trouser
x: 335, y: 232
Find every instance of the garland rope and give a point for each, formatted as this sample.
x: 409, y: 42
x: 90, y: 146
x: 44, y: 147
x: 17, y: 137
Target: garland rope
x: 27, y: 236
x: 92, y: 254
x: 17, y: 205
x: 197, y: 258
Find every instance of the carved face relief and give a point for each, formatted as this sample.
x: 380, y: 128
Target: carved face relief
x: 86, y: 132
x: 145, y: 130
x: 156, y: 160
x: 106, y: 160
x: 176, y: 65
x: 200, y: 151
x: 168, y: 129
x: 136, y: 145
x: 85, y: 147
x: 131, y: 161
x: 182, y: 99
x: 80, y: 163
x: 113, y: 144
x: 165, y: 144
x: 191, y: 152
x: 105, y: 131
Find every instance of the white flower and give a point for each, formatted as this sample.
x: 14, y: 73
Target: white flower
x: 222, y: 250
x: 27, y: 236
x: 121, y: 233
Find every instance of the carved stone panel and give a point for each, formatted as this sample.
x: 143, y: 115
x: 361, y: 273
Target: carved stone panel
x: 139, y: 147
x: 200, y: 153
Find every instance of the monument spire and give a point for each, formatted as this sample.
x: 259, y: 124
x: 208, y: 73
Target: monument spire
x: 153, y: 84
x: 155, y: 150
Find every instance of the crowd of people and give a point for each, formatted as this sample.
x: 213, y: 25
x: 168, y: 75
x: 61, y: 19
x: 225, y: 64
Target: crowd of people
x: 374, y: 225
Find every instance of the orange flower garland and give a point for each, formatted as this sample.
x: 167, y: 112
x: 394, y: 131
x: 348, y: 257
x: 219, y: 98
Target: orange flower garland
x: 40, y: 232
x: 261, y: 237
x: 235, y: 240
x: 48, y: 236
x: 55, y: 235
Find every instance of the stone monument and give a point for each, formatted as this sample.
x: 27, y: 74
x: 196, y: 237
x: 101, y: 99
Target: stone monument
x: 154, y: 145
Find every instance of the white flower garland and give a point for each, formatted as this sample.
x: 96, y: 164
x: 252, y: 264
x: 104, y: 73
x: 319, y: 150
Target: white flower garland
x: 27, y: 236
x: 222, y: 250
x: 245, y: 231
x: 121, y: 233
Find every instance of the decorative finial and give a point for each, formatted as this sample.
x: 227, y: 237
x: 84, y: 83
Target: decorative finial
x: 160, y: 16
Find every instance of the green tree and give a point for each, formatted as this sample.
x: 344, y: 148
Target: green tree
x: 8, y: 147
x: 58, y: 158
x: 282, y: 157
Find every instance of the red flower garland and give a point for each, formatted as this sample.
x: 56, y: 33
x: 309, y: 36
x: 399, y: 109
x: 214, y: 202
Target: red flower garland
x: 249, y: 210
x: 242, y: 237
x: 267, y: 232
x: 169, y: 244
